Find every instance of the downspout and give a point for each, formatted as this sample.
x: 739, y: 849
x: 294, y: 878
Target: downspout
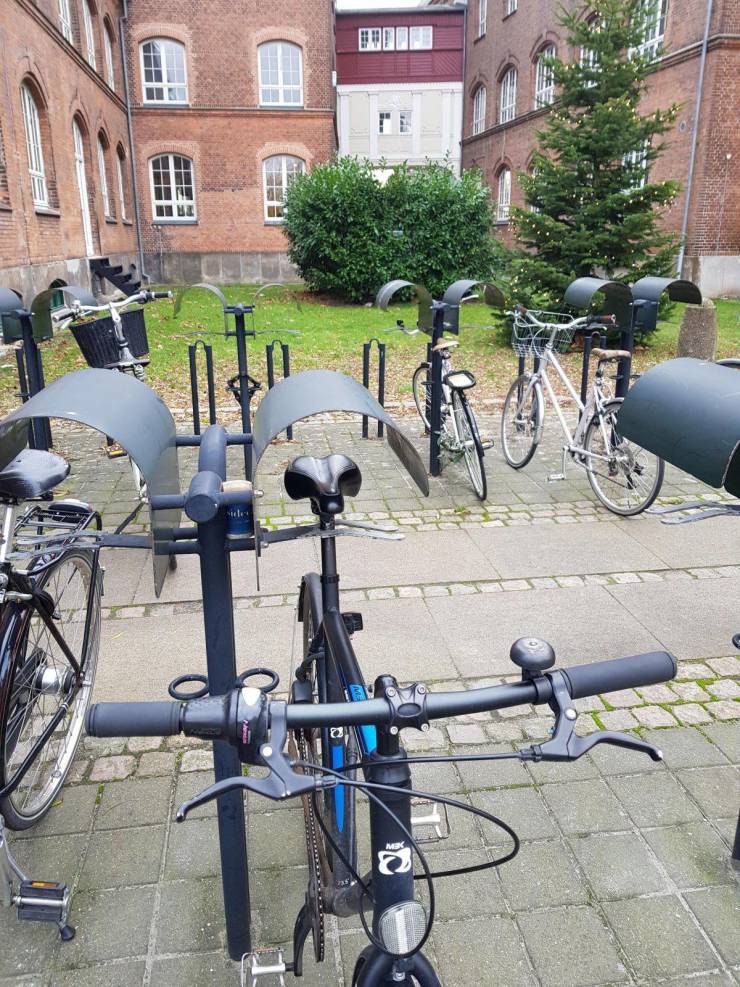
x: 694, y: 139
x: 134, y: 183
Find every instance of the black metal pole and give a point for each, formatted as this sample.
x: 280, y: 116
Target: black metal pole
x: 588, y: 342
x: 286, y: 373
x: 624, y: 367
x: 736, y: 846
x: 22, y: 379
x: 194, y: 387
x: 30, y: 355
x: 46, y: 423
x: 241, y: 356
x: 208, y: 350
x: 435, y: 417
x: 365, y: 382
x: 381, y: 383
x: 218, y: 619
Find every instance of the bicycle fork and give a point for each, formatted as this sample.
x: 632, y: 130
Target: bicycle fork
x: 34, y: 901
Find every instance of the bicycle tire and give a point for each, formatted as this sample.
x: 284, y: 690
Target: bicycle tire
x: 28, y: 649
x: 530, y: 427
x: 630, y: 462
x: 472, y: 449
x: 422, y: 393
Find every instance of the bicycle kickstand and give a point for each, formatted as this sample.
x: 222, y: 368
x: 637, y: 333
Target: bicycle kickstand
x: 35, y: 901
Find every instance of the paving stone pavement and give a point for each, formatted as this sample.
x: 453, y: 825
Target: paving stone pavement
x: 624, y: 872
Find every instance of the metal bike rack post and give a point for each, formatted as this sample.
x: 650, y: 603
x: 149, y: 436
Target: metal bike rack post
x: 618, y: 302
x: 210, y: 386
x: 588, y: 343
x: 240, y: 331
x: 366, y: 347
x: 270, y: 360
x: 435, y: 411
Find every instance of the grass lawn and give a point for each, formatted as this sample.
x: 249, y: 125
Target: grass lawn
x: 331, y: 336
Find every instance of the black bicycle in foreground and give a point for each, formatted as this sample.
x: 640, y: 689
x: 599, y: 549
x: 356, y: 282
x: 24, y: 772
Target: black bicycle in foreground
x: 331, y: 741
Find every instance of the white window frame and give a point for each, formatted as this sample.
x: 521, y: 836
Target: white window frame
x: 65, y: 20
x: 482, y: 17
x: 402, y: 39
x: 638, y: 159
x: 173, y: 202
x: 478, y: 123
x: 34, y: 148
x: 273, y: 203
x: 655, y: 20
x: 425, y: 34
x: 503, y: 200
x: 384, y: 115
x: 510, y: 8
x: 544, y: 85
x: 507, y: 99
x: 166, y: 84
x: 110, y: 74
x: 369, y: 38
x: 389, y: 39
x: 121, y: 186
x: 282, y: 88
x: 587, y: 57
x: 89, y: 34
x: 102, y: 172
x: 405, y: 123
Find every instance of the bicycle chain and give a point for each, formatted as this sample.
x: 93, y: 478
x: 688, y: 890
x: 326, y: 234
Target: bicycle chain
x: 315, y: 894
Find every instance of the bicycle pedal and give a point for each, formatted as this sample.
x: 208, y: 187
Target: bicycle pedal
x: 115, y: 451
x: 253, y: 967
x: 554, y: 477
x: 434, y: 823
x: 487, y: 445
x: 42, y: 901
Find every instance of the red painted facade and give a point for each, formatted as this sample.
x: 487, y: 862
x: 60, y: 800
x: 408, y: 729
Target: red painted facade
x: 442, y: 63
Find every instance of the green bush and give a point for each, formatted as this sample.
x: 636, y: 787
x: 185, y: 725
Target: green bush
x: 349, y: 233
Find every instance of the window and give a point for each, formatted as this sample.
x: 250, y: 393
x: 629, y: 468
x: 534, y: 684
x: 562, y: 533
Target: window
x: 39, y: 189
x: 279, y: 172
x: 420, y: 37
x: 589, y: 59
x: 369, y: 39
x: 65, y: 20
x: 533, y: 172
x: 110, y: 76
x: 102, y: 171
x: 281, y: 74
x: 544, y: 86
x: 653, y: 14
x: 404, y: 122
x: 402, y: 38
x: 173, y: 197
x: 504, y: 196
x: 89, y: 33
x: 163, y: 71
x: 482, y: 11
x: 507, y: 106
x: 120, y: 162
x: 636, y: 165
x: 479, y: 110
x: 509, y: 7
x: 384, y: 123
x: 389, y: 38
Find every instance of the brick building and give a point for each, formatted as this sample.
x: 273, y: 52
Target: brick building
x: 507, y: 96
x: 399, y: 84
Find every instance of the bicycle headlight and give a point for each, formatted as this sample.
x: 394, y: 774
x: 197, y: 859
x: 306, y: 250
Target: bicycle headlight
x: 401, y: 927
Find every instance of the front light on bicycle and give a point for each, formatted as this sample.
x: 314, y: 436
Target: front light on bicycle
x: 402, y: 927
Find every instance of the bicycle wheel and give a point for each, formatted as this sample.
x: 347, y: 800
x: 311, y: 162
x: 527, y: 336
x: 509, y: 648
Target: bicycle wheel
x: 624, y: 476
x: 422, y: 393
x: 35, y: 678
x: 521, y: 421
x: 467, y: 432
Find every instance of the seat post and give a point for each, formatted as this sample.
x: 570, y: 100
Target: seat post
x: 8, y: 528
x: 329, y: 574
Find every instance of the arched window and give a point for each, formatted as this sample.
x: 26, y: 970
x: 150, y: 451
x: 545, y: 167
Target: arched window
x: 281, y: 74
x: 653, y: 17
x: 173, y: 193
x: 479, y: 110
x: 110, y: 75
x: 36, y: 168
x: 507, y: 104
x: 164, y: 72
x: 533, y: 172
x: 503, y: 201
x: 279, y: 171
x: 87, y: 20
x: 121, y: 180
x: 544, y: 83
x: 103, y: 173
x: 65, y: 20
x: 482, y: 15
x: 589, y: 59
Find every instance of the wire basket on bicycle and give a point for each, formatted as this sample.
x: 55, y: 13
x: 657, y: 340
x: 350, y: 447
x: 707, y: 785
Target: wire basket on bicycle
x: 528, y: 338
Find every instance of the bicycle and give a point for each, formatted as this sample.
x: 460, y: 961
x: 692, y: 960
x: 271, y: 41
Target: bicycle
x: 459, y: 433
x: 50, y: 592
x: 341, y: 741
x: 624, y: 477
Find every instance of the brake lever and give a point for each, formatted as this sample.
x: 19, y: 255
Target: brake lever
x: 566, y: 745
x: 281, y: 783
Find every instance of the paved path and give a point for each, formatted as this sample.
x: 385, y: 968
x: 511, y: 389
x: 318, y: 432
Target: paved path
x: 623, y: 876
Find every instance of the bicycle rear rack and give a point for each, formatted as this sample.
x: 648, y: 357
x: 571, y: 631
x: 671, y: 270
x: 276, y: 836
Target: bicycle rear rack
x: 45, y: 525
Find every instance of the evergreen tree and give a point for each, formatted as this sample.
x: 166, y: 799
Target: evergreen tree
x: 592, y: 209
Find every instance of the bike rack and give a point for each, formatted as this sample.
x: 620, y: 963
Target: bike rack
x: 270, y: 360
x: 194, y: 386
x: 595, y: 339
x: 366, y: 348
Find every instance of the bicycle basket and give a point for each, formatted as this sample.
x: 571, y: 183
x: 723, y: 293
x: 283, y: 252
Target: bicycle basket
x: 97, y: 340
x: 527, y: 338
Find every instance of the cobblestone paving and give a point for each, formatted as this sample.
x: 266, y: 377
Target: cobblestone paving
x: 624, y: 873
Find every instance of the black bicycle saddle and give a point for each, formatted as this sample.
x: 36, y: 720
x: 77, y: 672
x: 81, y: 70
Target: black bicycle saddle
x: 325, y: 481
x: 32, y: 473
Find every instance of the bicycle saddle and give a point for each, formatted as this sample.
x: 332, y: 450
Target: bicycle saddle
x: 32, y: 473
x: 325, y: 481
x: 605, y: 355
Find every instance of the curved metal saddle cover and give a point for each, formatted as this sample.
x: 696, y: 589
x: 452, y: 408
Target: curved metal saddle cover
x: 688, y: 412
x: 314, y: 392
x: 128, y: 411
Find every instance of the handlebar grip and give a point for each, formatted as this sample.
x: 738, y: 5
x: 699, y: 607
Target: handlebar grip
x: 161, y: 294
x: 620, y: 673
x: 161, y: 719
